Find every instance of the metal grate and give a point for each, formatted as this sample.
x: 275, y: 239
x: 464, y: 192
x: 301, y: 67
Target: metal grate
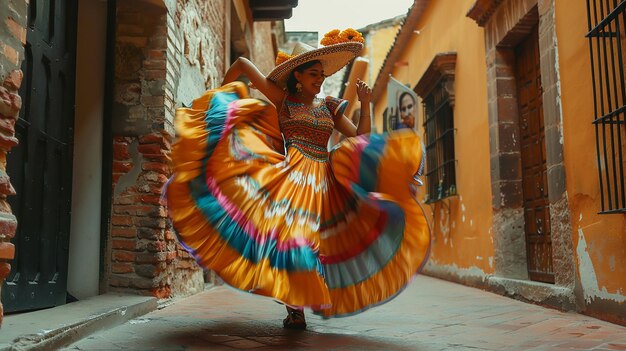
x: 607, y: 41
x: 439, y: 129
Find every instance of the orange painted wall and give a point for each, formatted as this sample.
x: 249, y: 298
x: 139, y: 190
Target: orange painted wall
x: 380, y: 42
x: 599, y: 240
x: 462, y: 239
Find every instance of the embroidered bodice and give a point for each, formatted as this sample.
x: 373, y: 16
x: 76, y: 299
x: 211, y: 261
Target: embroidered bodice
x: 308, y: 128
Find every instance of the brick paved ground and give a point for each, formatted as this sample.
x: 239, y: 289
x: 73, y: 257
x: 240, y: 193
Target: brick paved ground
x: 430, y: 315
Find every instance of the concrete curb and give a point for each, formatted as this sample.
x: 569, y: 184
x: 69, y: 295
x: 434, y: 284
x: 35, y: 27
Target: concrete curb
x: 60, y: 326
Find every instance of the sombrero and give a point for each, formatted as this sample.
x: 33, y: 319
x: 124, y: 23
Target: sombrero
x: 333, y: 57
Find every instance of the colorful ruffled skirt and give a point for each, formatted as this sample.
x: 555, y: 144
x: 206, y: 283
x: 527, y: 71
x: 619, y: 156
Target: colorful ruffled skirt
x: 338, y: 236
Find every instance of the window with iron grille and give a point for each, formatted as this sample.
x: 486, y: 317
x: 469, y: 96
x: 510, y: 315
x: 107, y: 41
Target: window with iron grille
x: 439, y: 130
x: 606, y: 23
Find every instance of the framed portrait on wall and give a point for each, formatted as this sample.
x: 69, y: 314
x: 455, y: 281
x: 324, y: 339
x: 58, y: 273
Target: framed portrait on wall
x: 402, y: 107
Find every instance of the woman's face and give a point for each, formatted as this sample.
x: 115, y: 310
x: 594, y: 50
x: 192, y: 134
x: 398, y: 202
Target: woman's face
x: 311, y: 79
x: 406, y: 111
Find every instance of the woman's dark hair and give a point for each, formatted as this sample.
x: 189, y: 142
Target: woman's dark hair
x: 292, y: 81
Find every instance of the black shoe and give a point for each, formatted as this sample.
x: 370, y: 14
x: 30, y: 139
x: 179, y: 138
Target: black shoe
x: 295, y: 319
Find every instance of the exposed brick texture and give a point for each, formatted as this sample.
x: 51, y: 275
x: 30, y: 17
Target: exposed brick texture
x: 141, y: 254
x: 12, y: 38
x: 145, y: 254
x: 203, y: 34
x: 155, y: 44
x: 143, y: 258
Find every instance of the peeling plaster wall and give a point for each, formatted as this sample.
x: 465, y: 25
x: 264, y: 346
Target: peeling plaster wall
x: 203, y: 39
x: 591, y: 290
x: 202, y: 54
x: 472, y: 276
x: 589, y: 250
x: 599, y: 241
x: 510, y: 260
x: 462, y: 242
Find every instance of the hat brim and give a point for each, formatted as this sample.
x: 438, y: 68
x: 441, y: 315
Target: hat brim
x: 333, y: 58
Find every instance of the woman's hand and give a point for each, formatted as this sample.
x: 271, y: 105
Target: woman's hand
x: 363, y: 92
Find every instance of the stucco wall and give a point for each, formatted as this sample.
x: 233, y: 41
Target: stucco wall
x: 462, y: 240
x: 588, y: 249
x: 599, y: 240
x: 379, y: 41
x: 84, y: 250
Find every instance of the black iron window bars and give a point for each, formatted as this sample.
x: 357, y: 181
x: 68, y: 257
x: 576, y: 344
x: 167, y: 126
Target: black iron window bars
x: 607, y: 41
x: 439, y: 130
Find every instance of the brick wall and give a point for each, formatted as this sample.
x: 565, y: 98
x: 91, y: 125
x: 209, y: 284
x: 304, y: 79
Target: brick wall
x: 165, y: 55
x: 145, y: 257
x: 12, y: 40
x: 262, y: 51
x: 263, y: 54
x: 196, y: 57
x: 203, y: 31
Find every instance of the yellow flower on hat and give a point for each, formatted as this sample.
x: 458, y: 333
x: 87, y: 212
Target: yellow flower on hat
x: 330, y: 38
x: 351, y: 35
x: 282, y: 57
x: 335, y: 52
x: 336, y: 36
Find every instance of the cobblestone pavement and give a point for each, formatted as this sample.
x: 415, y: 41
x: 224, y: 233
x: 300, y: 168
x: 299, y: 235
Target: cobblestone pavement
x: 430, y: 314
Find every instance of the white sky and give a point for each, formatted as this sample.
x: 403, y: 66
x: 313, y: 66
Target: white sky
x: 325, y: 15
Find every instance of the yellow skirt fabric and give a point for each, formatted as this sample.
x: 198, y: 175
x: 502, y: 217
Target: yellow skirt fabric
x: 338, y: 236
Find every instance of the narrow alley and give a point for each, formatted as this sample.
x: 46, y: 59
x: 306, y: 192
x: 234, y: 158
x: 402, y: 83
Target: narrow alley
x: 431, y: 314
x: 321, y: 153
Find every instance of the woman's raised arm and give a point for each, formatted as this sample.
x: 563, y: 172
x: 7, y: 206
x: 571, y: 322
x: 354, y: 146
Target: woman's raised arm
x: 268, y: 88
x: 345, y: 126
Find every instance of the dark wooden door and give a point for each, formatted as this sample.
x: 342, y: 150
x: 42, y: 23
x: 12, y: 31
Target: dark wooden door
x: 533, y: 153
x: 40, y: 167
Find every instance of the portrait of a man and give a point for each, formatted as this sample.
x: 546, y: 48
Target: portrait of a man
x: 406, y: 108
x: 402, y: 106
